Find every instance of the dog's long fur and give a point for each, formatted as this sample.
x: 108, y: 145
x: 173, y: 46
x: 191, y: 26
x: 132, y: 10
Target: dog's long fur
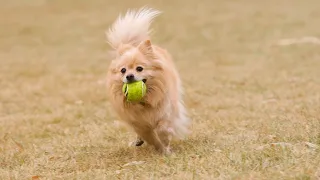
x: 161, y: 115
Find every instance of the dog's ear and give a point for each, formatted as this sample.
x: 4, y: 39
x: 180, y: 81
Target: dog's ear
x: 145, y: 48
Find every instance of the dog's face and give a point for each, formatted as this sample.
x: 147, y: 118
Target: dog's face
x: 133, y: 66
x: 136, y: 64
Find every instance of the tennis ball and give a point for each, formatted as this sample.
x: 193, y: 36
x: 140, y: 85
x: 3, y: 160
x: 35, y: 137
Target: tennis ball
x: 134, y: 91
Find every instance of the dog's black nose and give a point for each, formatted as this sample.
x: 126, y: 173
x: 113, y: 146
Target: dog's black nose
x: 130, y: 77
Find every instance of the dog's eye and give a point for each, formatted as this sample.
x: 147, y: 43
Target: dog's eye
x: 123, y: 70
x: 139, y: 68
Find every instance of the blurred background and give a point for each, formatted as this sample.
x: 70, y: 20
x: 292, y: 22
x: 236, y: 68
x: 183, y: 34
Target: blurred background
x: 250, y: 69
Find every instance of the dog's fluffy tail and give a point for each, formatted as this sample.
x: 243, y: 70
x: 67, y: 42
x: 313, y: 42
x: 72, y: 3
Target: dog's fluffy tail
x: 132, y: 28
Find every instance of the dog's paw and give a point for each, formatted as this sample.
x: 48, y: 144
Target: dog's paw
x: 137, y: 142
x: 165, y: 151
x: 168, y: 151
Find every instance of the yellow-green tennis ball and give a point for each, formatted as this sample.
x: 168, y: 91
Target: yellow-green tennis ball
x: 134, y: 91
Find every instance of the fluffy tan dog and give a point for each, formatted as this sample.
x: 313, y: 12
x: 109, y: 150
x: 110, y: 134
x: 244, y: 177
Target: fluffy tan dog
x: 161, y: 115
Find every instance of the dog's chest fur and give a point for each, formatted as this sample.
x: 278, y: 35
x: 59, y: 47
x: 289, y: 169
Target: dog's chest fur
x: 140, y: 114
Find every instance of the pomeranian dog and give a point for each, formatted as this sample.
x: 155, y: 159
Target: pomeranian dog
x: 161, y: 116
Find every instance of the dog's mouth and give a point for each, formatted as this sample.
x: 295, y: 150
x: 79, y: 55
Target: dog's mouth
x: 144, y: 80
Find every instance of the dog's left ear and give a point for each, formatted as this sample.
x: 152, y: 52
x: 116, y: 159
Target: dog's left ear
x: 145, y: 48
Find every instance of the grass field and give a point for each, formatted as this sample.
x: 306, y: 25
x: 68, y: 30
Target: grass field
x: 254, y: 104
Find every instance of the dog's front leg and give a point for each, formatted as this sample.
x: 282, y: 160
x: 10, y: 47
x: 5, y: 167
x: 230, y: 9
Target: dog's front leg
x: 164, y: 133
x: 151, y: 137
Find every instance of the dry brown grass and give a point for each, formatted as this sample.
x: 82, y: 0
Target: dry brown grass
x: 255, y: 106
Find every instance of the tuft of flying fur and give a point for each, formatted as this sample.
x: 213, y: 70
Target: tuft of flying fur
x: 132, y: 28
